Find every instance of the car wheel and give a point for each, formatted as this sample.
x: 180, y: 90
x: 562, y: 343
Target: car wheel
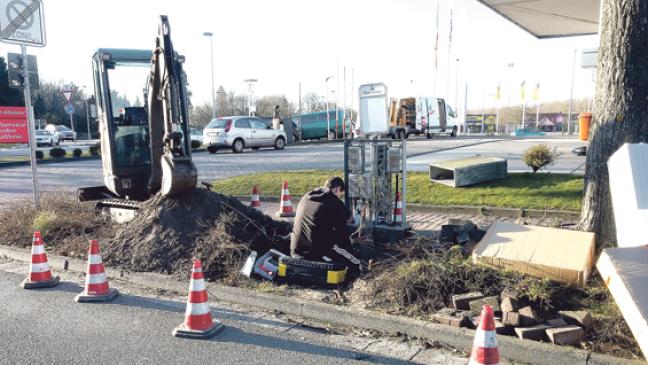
x: 428, y: 135
x: 280, y: 143
x: 212, y: 149
x: 454, y: 132
x: 237, y: 146
x: 331, y: 134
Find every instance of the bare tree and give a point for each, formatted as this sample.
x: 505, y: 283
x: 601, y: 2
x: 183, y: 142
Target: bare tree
x: 265, y: 106
x: 313, y: 103
x: 619, y: 108
x: 200, y: 115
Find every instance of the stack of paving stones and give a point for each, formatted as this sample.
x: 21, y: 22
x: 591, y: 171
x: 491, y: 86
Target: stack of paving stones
x: 515, y: 317
x: 461, y: 232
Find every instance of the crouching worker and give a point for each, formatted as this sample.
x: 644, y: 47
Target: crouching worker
x: 320, y: 230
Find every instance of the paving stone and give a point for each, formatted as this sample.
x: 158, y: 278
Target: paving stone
x: 477, y: 304
x: 535, y: 333
x: 579, y: 318
x: 462, y: 301
x: 453, y: 317
x: 556, y: 322
x: 528, y: 316
x: 569, y: 335
x: 511, y: 318
x: 502, y: 329
x: 510, y: 293
x: 509, y: 304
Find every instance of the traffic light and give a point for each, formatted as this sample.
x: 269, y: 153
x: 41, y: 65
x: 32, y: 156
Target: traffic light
x: 16, y: 72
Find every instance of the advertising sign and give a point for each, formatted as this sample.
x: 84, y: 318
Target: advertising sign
x: 13, y: 125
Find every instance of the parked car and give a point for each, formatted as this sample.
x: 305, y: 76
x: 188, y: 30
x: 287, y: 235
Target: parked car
x: 46, y: 138
x: 315, y: 125
x: 240, y: 132
x: 196, y: 134
x: 62, y: 132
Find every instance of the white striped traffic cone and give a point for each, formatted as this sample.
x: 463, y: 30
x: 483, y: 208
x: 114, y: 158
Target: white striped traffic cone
x: 96, y: 287
x: 398, y: 209
x: 40, y: 275
x: 255, y: 202
x: 198, y: 319
x: 484, y: 351
x: 285, y: 207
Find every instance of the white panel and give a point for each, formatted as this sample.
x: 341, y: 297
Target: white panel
x: 550, y: 18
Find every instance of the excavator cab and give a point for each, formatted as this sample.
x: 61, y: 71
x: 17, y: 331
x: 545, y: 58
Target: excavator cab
x: 145, y: 149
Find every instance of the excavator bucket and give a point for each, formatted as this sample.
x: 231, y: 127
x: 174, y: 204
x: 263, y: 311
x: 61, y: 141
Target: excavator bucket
x: 179, y: 174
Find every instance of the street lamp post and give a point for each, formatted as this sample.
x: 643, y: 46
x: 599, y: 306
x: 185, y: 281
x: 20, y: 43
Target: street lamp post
x: 250, y: 83
x: 326, y: 99
x: 508, y: 105
x: 211, y: 41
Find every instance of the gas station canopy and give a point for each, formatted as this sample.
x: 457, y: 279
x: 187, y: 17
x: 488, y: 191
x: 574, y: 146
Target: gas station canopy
x: 550, y: 18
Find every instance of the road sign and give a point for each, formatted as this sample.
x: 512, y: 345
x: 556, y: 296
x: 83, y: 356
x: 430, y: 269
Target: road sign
x: 67, y: 94
x: 22, y: 22
x: 69, y: 108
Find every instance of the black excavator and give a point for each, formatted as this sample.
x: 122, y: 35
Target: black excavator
x: 145, y: 150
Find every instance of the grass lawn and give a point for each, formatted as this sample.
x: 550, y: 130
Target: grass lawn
x: 523, y: 190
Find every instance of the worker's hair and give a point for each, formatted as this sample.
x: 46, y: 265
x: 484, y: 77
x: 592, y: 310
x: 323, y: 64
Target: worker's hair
x: 335, y: 182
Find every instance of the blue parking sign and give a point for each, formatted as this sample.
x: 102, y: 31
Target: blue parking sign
x: 69, y: 108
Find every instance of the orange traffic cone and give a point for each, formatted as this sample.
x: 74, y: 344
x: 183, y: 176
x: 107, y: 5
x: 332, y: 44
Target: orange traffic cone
x: 40, y: 275
x: 96, y: 288
x: 484, y: 351
x: 198, y: 319
x: 255, y: 202
x: 285, y: 207
x: 398, y: 209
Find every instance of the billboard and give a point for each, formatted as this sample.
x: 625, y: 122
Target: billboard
x: 13, y: 125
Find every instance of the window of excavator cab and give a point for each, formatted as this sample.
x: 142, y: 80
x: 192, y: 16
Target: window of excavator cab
x: 130, y: 121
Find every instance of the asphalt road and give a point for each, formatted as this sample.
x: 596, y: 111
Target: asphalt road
x: 47, y: 326
x: 15, y: 182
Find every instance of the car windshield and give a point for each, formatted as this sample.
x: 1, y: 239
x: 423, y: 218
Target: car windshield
x: 218, y: 123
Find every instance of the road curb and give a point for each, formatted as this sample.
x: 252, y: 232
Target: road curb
x: 47, y: 162
x: 510, y: 348
x: 458, y: 209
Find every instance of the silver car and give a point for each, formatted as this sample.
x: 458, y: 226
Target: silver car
x: 242, y: 132
x: 46, y: 138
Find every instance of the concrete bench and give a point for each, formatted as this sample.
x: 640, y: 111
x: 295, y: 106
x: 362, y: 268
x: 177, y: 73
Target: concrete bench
x: 468, y: 171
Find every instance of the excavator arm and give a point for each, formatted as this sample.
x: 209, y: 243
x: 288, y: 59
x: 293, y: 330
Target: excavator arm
x: 172, y: 170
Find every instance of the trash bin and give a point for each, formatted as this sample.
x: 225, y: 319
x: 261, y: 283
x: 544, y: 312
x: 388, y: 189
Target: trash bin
x: 584, y: 121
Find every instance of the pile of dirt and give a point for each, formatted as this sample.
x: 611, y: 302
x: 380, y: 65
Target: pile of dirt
x: 65, y: 224
x: 169, y: 232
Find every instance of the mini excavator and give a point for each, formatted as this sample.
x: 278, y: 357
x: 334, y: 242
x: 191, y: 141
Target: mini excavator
x: 145, y: 150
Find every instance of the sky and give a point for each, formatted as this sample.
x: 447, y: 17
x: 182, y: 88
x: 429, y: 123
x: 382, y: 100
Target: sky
x: 283, y: 43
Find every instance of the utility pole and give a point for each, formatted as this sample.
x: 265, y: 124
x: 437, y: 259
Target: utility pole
x: 571, y: 95
x: 326, y: 99
x: 508, y: 105
x: 211, y: 39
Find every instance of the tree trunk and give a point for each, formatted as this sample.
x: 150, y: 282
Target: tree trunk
x: 620, y: 108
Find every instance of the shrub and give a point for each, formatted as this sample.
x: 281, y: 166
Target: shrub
x: 57, y: 152
x: 539, y: 156
x: 44, y: 221
x: 195, y: 144
x: 39, y: 155
x: 95, y: 149
x: 77, y: 152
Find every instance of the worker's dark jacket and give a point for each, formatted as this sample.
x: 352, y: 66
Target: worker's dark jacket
x: 320, y: 223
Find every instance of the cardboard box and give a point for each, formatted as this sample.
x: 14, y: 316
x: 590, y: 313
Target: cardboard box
x: 558, y: 254
x: 625, y: 272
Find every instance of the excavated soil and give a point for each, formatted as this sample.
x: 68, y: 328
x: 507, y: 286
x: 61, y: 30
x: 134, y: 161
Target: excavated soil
x: 169, y: 232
